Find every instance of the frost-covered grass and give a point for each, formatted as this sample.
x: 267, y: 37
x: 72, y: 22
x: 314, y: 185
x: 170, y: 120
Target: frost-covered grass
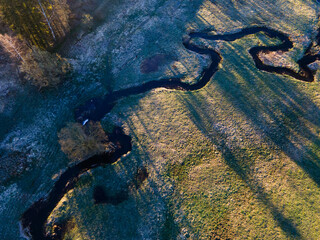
x: 239, y: 152
x: 237, y: 159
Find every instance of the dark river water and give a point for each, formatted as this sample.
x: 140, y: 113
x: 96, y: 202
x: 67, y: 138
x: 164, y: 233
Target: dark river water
x: 34, y: 219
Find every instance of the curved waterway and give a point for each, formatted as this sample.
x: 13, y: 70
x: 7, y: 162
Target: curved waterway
x: 34, y: 219
x: 96, y: 108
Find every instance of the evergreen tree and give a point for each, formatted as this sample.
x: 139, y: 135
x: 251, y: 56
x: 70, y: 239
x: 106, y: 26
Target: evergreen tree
x: 40, y: 22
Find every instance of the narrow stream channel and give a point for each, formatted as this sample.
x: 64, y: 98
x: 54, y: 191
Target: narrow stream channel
x: 34, y: 219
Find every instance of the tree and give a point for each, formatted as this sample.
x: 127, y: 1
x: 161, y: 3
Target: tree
x: 44, y: 69
x: 47, y: 20
x: 56, y: 14
x: 30, y: 27
x: 79, y: 142
x: 60, y: 15
x: 40, y: 22
x: 15, y: 47
x: 24, y: 18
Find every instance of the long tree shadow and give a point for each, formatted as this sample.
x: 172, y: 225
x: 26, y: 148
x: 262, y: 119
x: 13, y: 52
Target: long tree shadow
x: 286, y: 122
x: 276, y: 108
x: 203, y: 121
x: 291, y: 111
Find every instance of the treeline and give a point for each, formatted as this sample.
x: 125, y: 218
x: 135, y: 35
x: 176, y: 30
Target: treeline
x: 39, y: 22
x: 29, y: 29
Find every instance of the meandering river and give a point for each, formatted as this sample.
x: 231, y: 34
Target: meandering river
x: 34, y: 219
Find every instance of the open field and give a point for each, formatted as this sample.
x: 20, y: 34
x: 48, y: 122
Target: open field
x: 237, y: 159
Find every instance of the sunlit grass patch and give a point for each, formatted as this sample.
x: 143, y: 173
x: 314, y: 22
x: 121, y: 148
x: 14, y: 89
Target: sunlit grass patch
x: 231, y: 160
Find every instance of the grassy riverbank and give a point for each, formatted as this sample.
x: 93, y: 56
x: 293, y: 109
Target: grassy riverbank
x: 237, y: 159
x: 242, y: 152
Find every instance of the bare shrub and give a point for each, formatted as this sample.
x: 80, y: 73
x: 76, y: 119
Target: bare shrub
x: 79, y: 142
x: 44, y: 69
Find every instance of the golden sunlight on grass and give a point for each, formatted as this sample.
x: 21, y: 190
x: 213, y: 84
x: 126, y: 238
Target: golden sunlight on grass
x: 237, y: 159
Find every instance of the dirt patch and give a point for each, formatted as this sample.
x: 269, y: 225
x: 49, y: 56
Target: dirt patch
x: 152, y: 64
